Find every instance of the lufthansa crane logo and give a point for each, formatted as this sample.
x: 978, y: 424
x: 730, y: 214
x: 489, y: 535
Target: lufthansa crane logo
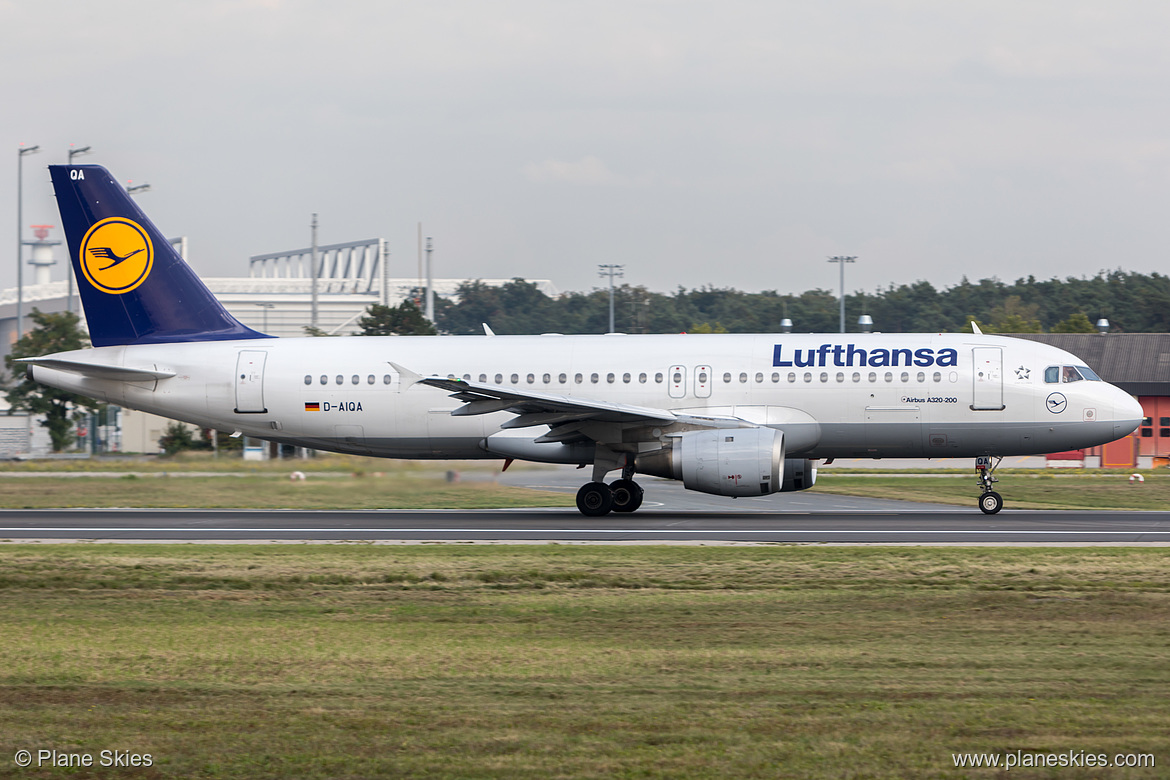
x: 116, y: 255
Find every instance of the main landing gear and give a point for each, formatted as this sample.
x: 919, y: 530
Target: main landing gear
x: 990, y: 502
x: 597, y: 499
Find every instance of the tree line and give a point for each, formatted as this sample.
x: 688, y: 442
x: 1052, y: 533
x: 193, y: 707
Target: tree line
x: 1132, y: 302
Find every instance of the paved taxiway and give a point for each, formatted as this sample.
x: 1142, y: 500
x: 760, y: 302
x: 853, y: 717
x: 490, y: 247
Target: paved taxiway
x: 669, y: 513
x: 925, y: 526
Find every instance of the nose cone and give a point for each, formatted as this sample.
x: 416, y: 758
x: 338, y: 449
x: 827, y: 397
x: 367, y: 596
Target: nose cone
x: 1127, y: 413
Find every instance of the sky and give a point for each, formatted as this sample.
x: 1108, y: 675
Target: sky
x: 731, y: 144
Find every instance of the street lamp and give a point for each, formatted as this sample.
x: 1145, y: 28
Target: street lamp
x: 19, y: 235
x: 266, y: 307
x: 69, y: 266
x: 842, y: 260
x: 611, y: 270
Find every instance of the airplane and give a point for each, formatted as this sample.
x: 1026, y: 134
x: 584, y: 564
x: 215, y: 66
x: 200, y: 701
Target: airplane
x: 727, y: 414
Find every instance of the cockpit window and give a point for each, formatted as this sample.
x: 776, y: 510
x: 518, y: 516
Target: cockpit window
x: 1065, y: 374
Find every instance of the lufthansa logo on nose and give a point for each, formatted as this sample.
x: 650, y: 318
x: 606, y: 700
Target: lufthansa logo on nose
x: 116, y: 255
x: 1056, y: 403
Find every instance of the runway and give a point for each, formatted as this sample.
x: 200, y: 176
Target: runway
x: 925, y: 526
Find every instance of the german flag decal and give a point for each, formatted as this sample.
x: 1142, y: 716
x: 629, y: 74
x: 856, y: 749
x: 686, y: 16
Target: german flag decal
x: 312, y: 406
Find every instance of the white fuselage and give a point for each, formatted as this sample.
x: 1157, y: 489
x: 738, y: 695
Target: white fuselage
x: 856, y: 395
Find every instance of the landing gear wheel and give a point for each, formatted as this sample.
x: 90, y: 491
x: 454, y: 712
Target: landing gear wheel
x: 627, y: 495
x: 595, y: 499
x: 990, y: 502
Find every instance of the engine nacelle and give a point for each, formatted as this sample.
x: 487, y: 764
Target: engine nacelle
x: 726, y: 461
x: 799, y: 474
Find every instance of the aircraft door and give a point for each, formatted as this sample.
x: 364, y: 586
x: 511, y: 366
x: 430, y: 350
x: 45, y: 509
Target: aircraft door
x: 250, y: 382
x: 702, y: 381
x: 677, y: 381
x: 988, y: 379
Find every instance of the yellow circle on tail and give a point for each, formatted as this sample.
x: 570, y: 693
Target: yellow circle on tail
x: 116, y: 255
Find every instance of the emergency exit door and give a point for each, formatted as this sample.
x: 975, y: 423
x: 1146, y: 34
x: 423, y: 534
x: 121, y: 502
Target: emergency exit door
x: 250, y: 382
x: 987, y: 375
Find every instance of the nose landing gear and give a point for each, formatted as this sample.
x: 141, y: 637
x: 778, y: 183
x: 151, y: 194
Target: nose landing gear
x: 990, y: 502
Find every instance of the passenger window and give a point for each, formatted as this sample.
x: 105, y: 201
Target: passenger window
x: 547, y: 378
x: 308, y: 379
x: 483, y: 377
x: 807, y: 376
x: 840, y: 376
x: 938, y: 376
x: 759, y: 378
x: 791, y: 376
x: 626, y: 378
x: 889, y: 376
x: 856, y: 376
x: 658, y: 378
x: 1052, y: 375
x: 775, y: 377
x: 702, y: 377
x: 531, y: 378
x: 642, y: 379
x: 824, y: 376
x: 386, y: 379
x: 499, y: 379
x: 355, y: 379
x: 921, y: 376
x: 873, y: 376
x: 727, y: 377
x: 340, y: 379
x: 578, y: 378
x: 466, y: 378
x: 324, y: 379
x: 594, y: 378
x: 743, y: 377
x: 562, y: 378
x: 677, y: 378
x: 905, y: 376
x: 515, y: 379
x: 370, y: 379
x: 610, y: 378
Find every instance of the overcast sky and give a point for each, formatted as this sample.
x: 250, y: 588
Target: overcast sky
x: 699, y: 143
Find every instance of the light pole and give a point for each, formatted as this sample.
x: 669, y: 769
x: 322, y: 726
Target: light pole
x: 69, y: 265
x: 842, y: 260
x: 19, y: 235
x: 611, y: 270
x: 266, y: 307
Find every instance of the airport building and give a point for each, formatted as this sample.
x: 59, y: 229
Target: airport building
x: 278, y: 297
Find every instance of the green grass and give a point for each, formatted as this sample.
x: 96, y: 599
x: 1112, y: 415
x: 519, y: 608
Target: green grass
x: 1101, y: 490
x: 581, y: 661
x: 269, y: 492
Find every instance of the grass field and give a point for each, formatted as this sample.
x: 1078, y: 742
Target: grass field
x: 1044, y: 490
x: 581, y: 661
x: 268, y: 491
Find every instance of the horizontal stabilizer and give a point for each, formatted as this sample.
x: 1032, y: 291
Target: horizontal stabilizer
x: 100, y: 370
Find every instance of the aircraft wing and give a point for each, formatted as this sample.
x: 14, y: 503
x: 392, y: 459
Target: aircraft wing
x: 536, y: 408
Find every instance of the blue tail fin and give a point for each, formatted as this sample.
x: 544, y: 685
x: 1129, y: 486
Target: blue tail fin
x: 135, y: 287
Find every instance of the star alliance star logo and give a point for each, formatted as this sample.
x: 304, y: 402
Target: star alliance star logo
x: 1023, y: 373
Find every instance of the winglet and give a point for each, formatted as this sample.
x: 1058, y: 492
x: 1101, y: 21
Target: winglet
x: 975, y: 328
x: 486, y: 330
x: 407, y: 377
